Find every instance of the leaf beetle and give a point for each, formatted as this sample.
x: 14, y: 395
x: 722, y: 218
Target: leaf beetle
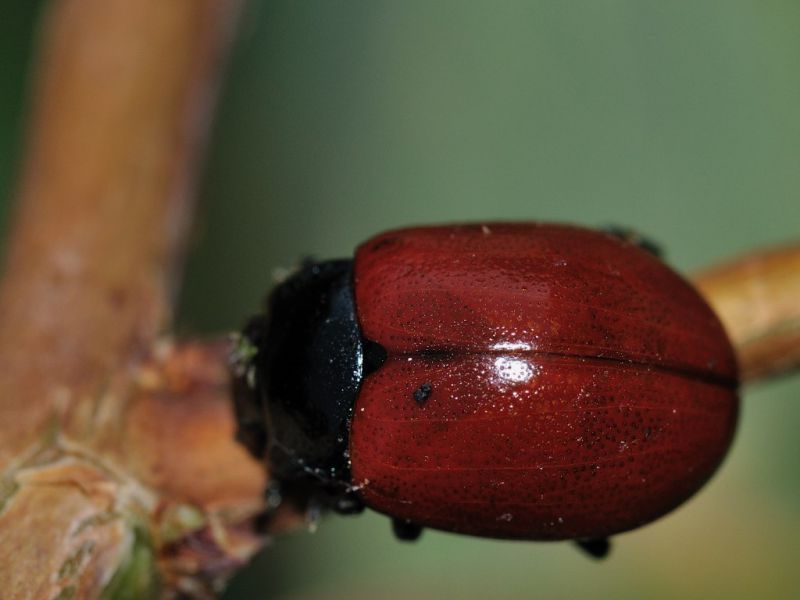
x: 508, y: 380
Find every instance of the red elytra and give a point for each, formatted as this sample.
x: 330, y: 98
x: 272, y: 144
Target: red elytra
x: 541, y: 382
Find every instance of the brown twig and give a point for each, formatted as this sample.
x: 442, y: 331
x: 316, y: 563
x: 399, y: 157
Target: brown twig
x: 122, y: 105
x: 757, y: 297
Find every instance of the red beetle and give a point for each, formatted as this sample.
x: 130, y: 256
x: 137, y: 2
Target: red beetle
x: 521, y: 381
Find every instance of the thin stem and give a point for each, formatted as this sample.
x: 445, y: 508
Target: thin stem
x: 757, y: 297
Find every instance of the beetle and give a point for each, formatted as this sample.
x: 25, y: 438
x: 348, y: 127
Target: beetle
x: 508, y: 380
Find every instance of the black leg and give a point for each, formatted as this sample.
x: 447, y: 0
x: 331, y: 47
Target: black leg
x: 634, y: 237
x: 406, y: 530
x: 595, y: 547
x: 349, y: 504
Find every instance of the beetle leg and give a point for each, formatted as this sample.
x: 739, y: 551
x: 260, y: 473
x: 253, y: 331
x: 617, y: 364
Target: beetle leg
x: 406, y: 530
x: 348, y: 504
x: 626, y: 234
x: 595, y: 547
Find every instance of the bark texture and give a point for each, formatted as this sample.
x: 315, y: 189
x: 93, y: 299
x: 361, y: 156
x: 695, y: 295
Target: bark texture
x: 100, y: 418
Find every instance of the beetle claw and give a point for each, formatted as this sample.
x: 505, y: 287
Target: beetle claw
x: 595, y: 547
x: 406, y: 530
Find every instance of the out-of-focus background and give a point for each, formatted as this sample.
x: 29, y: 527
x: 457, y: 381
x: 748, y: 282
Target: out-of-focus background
x: 340, y: 119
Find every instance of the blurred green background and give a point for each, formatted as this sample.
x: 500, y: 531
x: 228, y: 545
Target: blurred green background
x: 340, y: 119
